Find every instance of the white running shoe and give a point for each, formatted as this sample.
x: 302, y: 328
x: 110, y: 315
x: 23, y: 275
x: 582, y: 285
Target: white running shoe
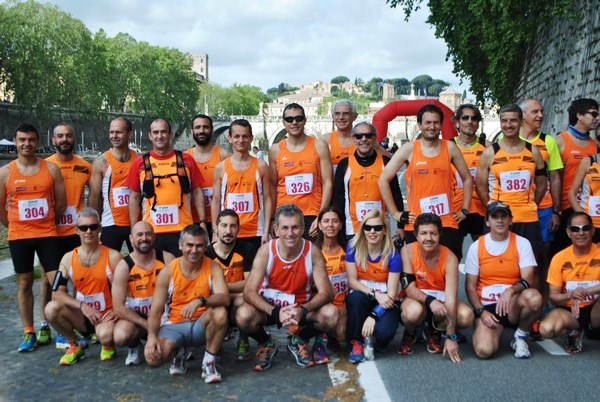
x: 134, y: 355
x: 520, y: 347
x: 178, y: 364
x: 210, y: 373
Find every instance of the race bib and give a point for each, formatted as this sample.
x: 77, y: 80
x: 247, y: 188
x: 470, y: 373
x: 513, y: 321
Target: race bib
x: 438, y: 294
x: 139, y: 305
x: 459, y: 182
x: 68, y: 217
x: 31, y: 210
x: 437, y: 204
x: 165, y: 215
x: 572, y: 285
x: 95, y: 301
x: 594, y: 205
x: 240, y: 202
x: 121, y: 196
x: 277, y: 297
x: 380, y: 287
x: 208, y: 195
x: 364, y: 207
x: 339, y: 283
x: 491, y: 294
x: 299, y: 184
x: 515, y: 181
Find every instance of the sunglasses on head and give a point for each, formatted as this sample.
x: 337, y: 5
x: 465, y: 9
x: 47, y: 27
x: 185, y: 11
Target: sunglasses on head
x: 84, y: 228
x: 467, y: 117
x: 377, y: 228
x: 594, y: 113
x: 368, y: 136
x: 577, y: 228
x: 290, y: 119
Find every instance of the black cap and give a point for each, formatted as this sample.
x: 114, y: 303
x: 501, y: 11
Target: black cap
x: 496, y: 206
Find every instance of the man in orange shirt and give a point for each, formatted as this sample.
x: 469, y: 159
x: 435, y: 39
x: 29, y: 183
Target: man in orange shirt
x: 90, y: 268
x: 574, y: 279
x: 192, y: 294
x: 32, y: 195
x: 340, y: 141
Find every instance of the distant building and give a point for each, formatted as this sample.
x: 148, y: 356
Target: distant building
x: 451, y: 98
x: 200, y: 66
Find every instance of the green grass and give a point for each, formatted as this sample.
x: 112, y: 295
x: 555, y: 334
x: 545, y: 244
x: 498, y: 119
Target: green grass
x: 4, y: 253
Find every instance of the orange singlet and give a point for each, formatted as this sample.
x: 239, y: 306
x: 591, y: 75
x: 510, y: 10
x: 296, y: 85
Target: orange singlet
x: 590, y: 191
x: 338, y: 152
x: 497, y: 272
x: 115, y: 193
x: 141, y: 286
x: 76, y: 175
x: 430, y: 281
x: 472, y: 156
x: 207, y: 169
x: 234, y: 272
x: 362, y: 193
x: 92, y: 284
x: 429, y: 184
x: 299, y: 179
x: 287, y: 282
x: 183, y: 290
x: 243, y: 192
x: 511, y: 181
x: 571, y: 157
x: 30, y: 201
x: 336, y: 270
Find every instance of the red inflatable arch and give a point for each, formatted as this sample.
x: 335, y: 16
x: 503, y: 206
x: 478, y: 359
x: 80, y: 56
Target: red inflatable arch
x: 410, y: 108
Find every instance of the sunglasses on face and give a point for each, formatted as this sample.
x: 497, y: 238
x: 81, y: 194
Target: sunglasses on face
x: 368, y: 136
x: 84, y: 228
x: 594, y: 113
x: 290, y: 119
x: 577, y: 228
x: 377, y: 228
x: 467, y: 117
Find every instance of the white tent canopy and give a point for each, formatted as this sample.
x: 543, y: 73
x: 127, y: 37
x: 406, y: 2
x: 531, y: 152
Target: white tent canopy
x: 6, y: 142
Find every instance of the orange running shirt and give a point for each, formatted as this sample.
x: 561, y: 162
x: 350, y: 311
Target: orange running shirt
x: 243, y: 192
x: 497, y: 272
x: 362, y: 193
x: 511, y: 181
x: 115, y: 193
x: 287, y: 282
x: 571, y: 156
x: 590, y: 191
x: 429, y: 184
x: 207, y: 170
x: 183, y: 290
x: 299, y: 179
x: 30, y: 202
x: 141, y: 285
x: 76, y: 175
x: 432, y: 282
x: 92, y: 284
x: 336, y: 270
x: 568, y: 272
x: 472, y: 156
x: 338, y: 152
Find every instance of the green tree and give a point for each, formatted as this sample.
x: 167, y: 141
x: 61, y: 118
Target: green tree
x: 487, y: 40
x: 340, y: 79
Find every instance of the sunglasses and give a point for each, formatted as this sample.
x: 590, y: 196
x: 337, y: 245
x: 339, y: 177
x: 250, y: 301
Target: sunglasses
x: 577, y: 228
x: 290, y: 119
x: 93, y: 227
x: 377, y: 228
x: 368, y: 136
x: 467, y: 117
x: 594, y: 113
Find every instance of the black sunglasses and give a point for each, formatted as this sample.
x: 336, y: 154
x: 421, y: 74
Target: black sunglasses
x: 577, y: 228
x: 290, y: 119
x: 368, y: 136
x: 84, y: 228
x: 467, y: 117
x: 377, y: 228
x: 594, y: 113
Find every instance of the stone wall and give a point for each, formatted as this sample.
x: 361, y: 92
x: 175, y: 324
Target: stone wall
x: 564, y: 64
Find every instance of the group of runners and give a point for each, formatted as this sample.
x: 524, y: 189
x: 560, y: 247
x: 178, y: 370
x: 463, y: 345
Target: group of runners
x: 219, y: 239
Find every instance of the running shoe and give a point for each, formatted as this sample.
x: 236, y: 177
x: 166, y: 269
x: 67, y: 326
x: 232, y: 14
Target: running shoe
x: 319, y: 352
x: 108, y: 353
x: 61, y: 342
x: 134, y: 355
x: 29, y: 342
x: 73, y: 355
x: 520, y: 347
x: 299, y: 350
x: 178, y: 364
x: 407, y: 343
x: 574, y: 343
x: 44, y: 336
x: 243, y: 350
x: 264, y: 355
x: 357, y: 353
x: 534, y: 332
x: 210, y: 372
x: 434, y: 341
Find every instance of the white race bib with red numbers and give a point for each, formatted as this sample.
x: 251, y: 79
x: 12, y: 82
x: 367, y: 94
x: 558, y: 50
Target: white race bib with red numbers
x: 277, y: 297
x: 491, y: 294
x: 240, y: 202
x: 95, y: 301
x: 163, y: 215
x: 121, y: 196
x: 299, y: 184
x: 437, y: 204
x: 515, y: 181
x: 31, y: 210
x: 68, y: 217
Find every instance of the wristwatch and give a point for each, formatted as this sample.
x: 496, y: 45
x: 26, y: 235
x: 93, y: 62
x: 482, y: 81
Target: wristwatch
x: 465, y: 211
x: 452, y: 337
x: 371, y: 295
x: 478, y: 312
x: 202, y: 301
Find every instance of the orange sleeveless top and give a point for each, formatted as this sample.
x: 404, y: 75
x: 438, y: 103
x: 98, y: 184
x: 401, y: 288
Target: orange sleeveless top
x: 336, y: 270
x: 571, y: 157
x: 141, y: 286
x: 427, y: 278
x: 496, y: 272
x: 207, y: 169
x: 92, y: 284
x: 338, y: 152
x: 115, y: 193
x: 30, y: 202
x: 472, y: 156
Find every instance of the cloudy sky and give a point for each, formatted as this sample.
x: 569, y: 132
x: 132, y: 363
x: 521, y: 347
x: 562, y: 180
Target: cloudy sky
x: 266, y: 42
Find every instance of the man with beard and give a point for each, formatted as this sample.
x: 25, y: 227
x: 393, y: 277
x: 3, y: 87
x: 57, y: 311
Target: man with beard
x: 109, y: 193
x: 133, y: 287
x: 207, y: 156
